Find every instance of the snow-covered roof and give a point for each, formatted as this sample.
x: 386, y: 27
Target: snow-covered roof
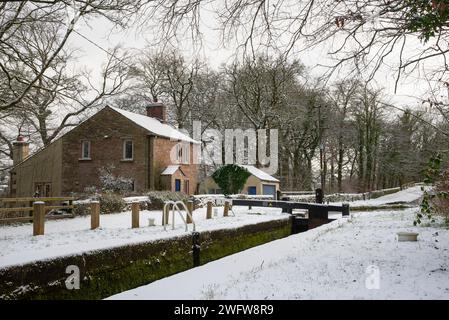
x: 154, y: 126
x: 170, y: 170
x: 260, y: 174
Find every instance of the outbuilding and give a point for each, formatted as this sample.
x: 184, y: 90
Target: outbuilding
x: 258, y: 183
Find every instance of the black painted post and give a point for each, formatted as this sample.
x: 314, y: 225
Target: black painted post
x: 319, y: 195
x: 345, y: 210
x: 287, y: 209
x: 292, y: 221
x: 196, y: 248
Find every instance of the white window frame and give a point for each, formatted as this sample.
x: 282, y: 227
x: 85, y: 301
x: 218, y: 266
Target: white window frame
x: 89, y: 156
x: 124, y: 149
x: 178, y: 153
x: 183, y: 153
x: 186, y: 153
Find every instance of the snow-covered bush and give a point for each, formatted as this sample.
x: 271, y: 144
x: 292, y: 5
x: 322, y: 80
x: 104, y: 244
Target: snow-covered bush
x: 231, y: 178
x: 435, y: 201
x: 111, y: 203
x: 441, y: 203
x: 4, y: 184
x: 3, y: 190
x: 144, y: 202
x: 91, y: 191
x: 109, y: 182
x: 157, y: 198
x: 81, y: 209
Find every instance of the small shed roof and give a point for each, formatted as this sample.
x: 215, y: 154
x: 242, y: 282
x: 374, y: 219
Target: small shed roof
x: 170, y: 170
x: 260, y: 174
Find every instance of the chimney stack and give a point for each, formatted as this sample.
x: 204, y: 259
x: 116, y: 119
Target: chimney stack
x: 20, y: 150
x: 157, y: 110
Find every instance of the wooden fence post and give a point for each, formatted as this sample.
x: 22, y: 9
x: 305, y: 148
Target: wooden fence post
x: 39, y: 218
x: 209, y: 210
x: 165, y: 213
x: 94, y: 215
x: 71, y: 204
x: 190, y: 209
x: 135, y: 208
x: 226, y: 209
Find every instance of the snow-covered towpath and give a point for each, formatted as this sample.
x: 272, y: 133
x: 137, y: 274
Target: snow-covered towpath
x: 334, y: 261
x: 406, y: 196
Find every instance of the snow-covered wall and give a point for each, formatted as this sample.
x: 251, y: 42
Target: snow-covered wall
x: 345, y: 197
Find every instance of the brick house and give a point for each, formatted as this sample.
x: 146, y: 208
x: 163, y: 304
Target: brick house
x: 137, y: 147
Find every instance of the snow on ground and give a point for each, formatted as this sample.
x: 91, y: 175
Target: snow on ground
x: 71, y: 236
x: 329, y: 262
x: 127, y: 200
x: 136, y: 199
x: 408, y: 195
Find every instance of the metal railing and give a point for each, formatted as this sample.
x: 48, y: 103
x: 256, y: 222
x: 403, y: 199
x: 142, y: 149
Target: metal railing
x: 175, y: 206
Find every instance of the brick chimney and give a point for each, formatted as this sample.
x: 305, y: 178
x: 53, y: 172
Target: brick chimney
x: 157, y: 110
x: 20, y: 150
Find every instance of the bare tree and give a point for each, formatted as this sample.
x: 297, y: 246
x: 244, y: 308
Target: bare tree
x: 60, y: 96
x: 20, y: 17
x: 259, y: 87
x: 362, y: 34
x: 301, y: 124
x: 169, y: 76
x: 342, y: 97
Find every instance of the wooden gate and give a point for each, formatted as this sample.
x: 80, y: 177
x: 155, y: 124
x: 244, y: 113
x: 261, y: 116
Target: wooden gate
x: 21, y: 209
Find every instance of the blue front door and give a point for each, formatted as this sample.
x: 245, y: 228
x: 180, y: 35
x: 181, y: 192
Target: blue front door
x: 252, y: 191
x: 177, y: 185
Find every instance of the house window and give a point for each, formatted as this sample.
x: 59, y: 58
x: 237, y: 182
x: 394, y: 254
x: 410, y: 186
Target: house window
x: 42, y: 189
x: 186, y: 186
x: 183, y: 153
x: 128, y: 150
x: 85, y: 150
